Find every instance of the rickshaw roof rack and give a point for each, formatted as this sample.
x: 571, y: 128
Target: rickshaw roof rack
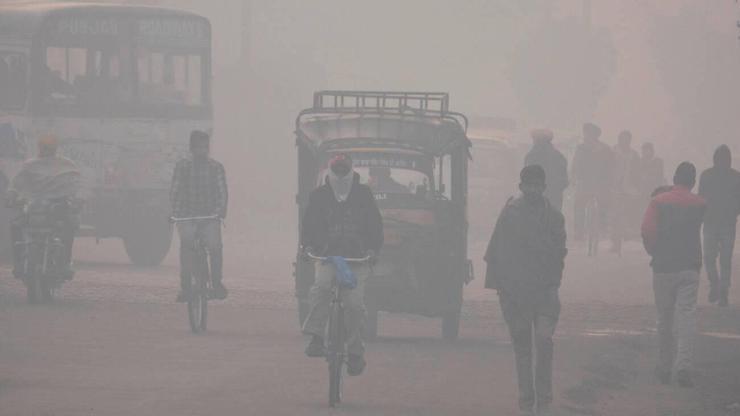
x: 421, y: 103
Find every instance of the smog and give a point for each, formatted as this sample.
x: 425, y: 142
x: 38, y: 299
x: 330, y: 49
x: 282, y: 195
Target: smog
x: 456, y: 208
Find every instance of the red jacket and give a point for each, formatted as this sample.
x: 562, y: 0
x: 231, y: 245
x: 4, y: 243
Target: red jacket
x: 671, y: 230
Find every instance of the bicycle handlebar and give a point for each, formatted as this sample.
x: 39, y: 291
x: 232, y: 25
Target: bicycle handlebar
x: 348, y: 260
x: 209, y: 217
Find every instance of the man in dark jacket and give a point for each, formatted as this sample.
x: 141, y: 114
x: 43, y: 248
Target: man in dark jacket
x: 341, y: 219
x: 651, y: 171
x: 543, y: 153
x: 720, y: 186
x: 670, y: 231
x: 525, y: 259
x: 592, y: 173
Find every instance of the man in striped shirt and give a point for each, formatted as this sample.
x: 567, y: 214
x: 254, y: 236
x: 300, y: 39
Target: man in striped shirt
x: 199, y: 190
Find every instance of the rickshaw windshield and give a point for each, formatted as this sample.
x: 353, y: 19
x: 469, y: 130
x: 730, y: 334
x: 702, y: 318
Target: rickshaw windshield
x: 393, y: 180
x: 394, y: 173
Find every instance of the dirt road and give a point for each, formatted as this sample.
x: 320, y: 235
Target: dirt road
x: 114, y: 343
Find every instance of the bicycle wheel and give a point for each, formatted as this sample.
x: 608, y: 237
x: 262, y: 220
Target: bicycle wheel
x: 592, y: 221
x: 335, y: 354
x: 199, y: 294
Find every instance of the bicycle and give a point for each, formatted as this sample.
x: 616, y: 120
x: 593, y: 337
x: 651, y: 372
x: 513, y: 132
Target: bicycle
x: 336, y: 350
x: 593, y: 226
x: 200, y: 286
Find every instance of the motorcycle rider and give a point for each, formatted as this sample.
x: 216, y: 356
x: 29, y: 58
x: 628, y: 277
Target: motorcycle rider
x: 199, y: 190
x: 341, y: 219
x: 47, y: 177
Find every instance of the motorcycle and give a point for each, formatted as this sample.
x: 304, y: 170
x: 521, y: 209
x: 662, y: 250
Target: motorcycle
x: 42, y: 247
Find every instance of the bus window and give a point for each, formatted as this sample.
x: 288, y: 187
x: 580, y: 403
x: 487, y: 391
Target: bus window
x: 170, y: 78
x: 84, y: 77
x: 13, y: 76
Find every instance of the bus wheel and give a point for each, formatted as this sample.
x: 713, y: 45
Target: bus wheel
x: 148, y: 242
x: 451, y: 325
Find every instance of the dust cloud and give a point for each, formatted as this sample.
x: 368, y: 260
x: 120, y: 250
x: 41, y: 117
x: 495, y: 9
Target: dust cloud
x: 667, y: 71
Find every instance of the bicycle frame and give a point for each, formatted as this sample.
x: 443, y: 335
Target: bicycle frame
x: 200, y: 278
x: 593, y: 224
x: 336, y: 353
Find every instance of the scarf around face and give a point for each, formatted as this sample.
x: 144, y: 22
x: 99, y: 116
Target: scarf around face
x: 341, y: 185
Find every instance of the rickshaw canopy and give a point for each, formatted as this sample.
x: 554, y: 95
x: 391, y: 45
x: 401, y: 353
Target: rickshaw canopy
x: 414, y: 121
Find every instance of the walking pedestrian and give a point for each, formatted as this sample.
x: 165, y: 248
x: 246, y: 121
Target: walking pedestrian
x: 525, y: 258
x: 543, y: 153
x: 592, y: 173
x: 720, y: 187
x: 670, y: 233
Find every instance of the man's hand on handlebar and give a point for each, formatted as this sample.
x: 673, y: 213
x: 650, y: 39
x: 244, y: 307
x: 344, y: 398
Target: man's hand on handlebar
x: 306, y: 252
x: 372, y: 257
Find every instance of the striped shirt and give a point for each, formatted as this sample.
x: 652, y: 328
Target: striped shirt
x: 199, y: 189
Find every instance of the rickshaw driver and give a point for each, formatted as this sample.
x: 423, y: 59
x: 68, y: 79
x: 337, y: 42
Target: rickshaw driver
x: 341, y: 219
x: 381, y: 180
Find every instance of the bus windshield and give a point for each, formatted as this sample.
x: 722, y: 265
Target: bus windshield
x: 13, y: 72
x: 138, y: 67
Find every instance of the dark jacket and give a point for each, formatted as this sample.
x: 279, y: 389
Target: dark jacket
x: 348, y: 228
x: 720, y: 187
x: 651, y: 175
x: 555, y: 166
x: 527, y: 251
x: 593, y: 167
x: 671, y: 230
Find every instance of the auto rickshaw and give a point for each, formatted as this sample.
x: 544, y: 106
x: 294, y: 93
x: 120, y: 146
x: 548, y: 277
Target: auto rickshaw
x: 413, y: 153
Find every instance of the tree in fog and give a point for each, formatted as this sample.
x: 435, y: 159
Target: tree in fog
x: 698, y: 64
x: 562, y: 69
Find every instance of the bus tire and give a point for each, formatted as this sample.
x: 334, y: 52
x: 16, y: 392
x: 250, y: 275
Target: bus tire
x: 148, y: 242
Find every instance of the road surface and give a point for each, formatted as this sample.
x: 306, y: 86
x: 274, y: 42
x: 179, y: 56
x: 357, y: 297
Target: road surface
x: 115, y: 343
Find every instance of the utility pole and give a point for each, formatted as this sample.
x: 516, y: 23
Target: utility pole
x: 586, y: 51
x: 246, y: 29
x: 587, y: 14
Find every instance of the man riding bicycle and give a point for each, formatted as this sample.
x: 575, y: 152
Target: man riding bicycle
x: 199, y: 190
x: 341, y: 219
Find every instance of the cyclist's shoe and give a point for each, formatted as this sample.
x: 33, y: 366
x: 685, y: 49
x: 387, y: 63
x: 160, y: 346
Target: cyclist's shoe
x: 355, y: 365
x: 66, y: 273
x: 315, y: 348
x: 713, y: 296
x: 219, y: 291
x: 724, y: 300
x: 19, y: 273
x: 683, y: 378
x: 663, y: 376
x: 182, y: 296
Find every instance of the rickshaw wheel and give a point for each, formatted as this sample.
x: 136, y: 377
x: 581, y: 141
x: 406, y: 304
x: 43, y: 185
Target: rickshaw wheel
x: 371, y: 324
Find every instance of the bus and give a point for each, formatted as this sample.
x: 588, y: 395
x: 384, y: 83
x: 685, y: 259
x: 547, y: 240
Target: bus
x: 121, y: 87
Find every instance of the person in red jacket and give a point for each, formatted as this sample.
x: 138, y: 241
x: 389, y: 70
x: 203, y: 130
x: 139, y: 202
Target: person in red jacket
x: 671, y: 234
